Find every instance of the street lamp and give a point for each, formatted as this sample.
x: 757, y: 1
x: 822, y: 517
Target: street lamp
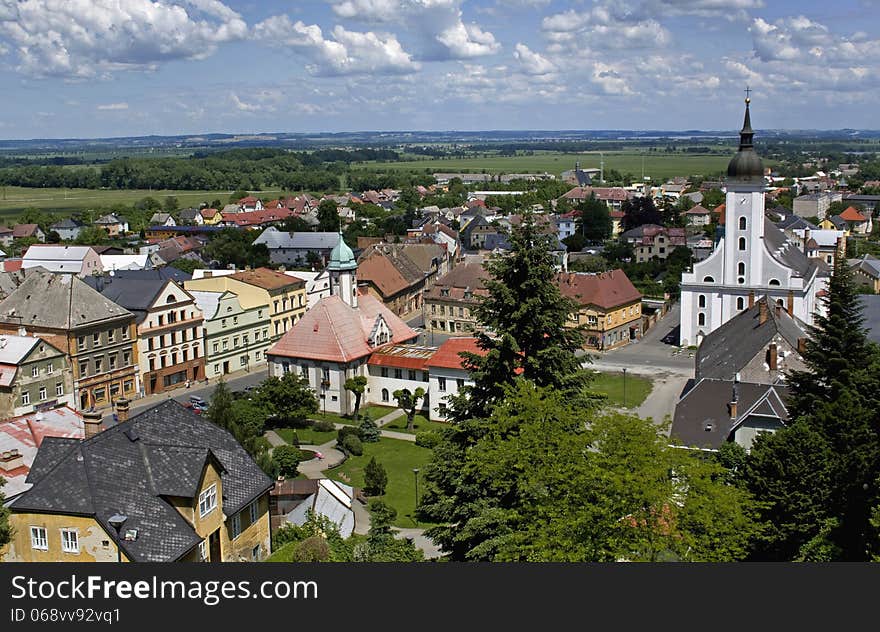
x: 624, y: 387
x: 116, y: 521
x: 416, y: 474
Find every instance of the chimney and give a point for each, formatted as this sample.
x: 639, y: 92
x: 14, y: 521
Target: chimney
x: 122, y: 410
x: 10, y: 459
x: 806, y: 241
x: 762, y: 311
x: 731, y: 407
x: 790, y: 306
x: 92, y: 422
x: 773, y: 357
x: 802, y: 346
x: 751, y: 298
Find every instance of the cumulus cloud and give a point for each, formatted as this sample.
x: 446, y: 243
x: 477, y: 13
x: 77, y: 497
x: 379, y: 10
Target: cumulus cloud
x: 533, y: 63
x: 87, y: 38
x: 113, y: 106
x: 603, y: 27
x: 347, y: 53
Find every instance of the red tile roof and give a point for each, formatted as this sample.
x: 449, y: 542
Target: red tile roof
x: 447, y: 355
x: 607, y: 290
x: 257, y: 218
x: 334, y: 331
x: 403, y: 357
x: 851, y: 214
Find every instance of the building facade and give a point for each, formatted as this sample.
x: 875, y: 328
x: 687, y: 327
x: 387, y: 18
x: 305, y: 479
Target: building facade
x: 609, y: 307
x: 449, y: 304
x: 34, y: 376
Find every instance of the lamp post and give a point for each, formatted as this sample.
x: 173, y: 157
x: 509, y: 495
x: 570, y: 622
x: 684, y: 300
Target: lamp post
x: 624, y: 387
x: 416, y: 474
x: 116, y: 521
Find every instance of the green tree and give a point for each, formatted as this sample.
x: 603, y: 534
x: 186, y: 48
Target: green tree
x: 237, y: 195
x: 712, y: 198
x: 328, y: 216
x: 171, y: 204
x: 375, y: 478
x: 236, y: 247
x: 289, y: 398
x: 52, y: 237
x: 6, y: 532
x: 594, y: 220
x: 186, y: 265
x: 287, y: 457
x: 220, y: 408
x: 639, y: 211
x: 356, y: 385
x: 369, y: 432
x: 381, y: 545
x: 21, y: 244
x: 409, y: 401
x: 91, y: 236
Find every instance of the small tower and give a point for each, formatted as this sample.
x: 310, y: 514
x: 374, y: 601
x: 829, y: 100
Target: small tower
x: 343, y: 272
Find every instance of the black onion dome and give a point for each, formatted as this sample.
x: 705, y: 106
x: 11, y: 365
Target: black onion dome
x: 746, y: 165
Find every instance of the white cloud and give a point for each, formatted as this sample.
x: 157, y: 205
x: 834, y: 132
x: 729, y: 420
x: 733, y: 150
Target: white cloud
x: 467, y: 40
x: 347, y: 53
x: 113, y: 106
x: 533, y: 63
x: 603, y: 27
x: 87, y: 38
x: 799, y: 38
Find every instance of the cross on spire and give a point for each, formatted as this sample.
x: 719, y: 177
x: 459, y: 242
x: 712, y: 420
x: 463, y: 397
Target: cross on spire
x: 748, y: 92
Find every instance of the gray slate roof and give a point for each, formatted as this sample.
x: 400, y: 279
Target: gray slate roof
x: 792, y: 222
x: 725, y: 351
x: 131, y: 468
x: 871, y: 312
x: 786, y: 251
x: 302, y: 240
x: 135, y: 295
x: 167, y: 273
x: 702, y: 418
x: 58, y: 301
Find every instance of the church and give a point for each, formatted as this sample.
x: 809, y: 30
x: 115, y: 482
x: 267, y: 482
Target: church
x: 753, y: 258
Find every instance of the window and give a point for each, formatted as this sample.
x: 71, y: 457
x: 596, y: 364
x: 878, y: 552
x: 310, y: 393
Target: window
x: 701, y: 301
x: 236, y: 525
x: 35, y: 371
x: 235, y: 341
x: 161, y: 320
x: 424, y: 376
x: 126, y: 358
x: 208, y: 500
x: 203, y: 551
x: 99, y: 365
x: 255, y: 553
x: 173, y: 358
x: 411, y: 375
x: 69, y: 541
x: 216, y: 369
x: 742, y: 243
x: 259, y: 313
x: 125, y: 333
x: 59, y: 388
x: 100, y: 394
x: 49, y: 369
x: 325, y: 375
x: 741, y: 268
x: 195, y: 333
x: 111, y: 335
x: 152, y: 364
x: 441, y: 408
x: 42, y: 393
x: 384, y: 394
x: 701, y: 320
x: 128, y: 385
x: 252, y: 512
x: 112, y: 362
x: 149, y: 344
x: 173, y: 336
x: 441, y: 383
x: 235, y: 320
x: 398, y: 374
x: 83, y: 368
x: 223, y: 323
x: 184, y: 355
x: 216, y: 347
x: 96, y: 340
x: 81, y: 343
x: 39, y: 540
x: 304, y: 371
x: 740, y: 302
x: 708, y: 279
x: 225, y: 344
x: 242, y: 361
x: 742, y: 223
x: 25, y: 398
x: 773, y: 282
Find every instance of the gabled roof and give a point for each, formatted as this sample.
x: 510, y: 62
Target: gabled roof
x: 25, y: 230
x: 66, y: 223
x: 274, y: 238
x: 132, y: 467
x: 56, y: 253
x: 135, y: 295
x: 792, y: 222
x: 698, y: 210
x: 14, y: 349
x: 851, y: 214
x: 786, y: 251
x: 447, y: 356
x: 334, y: 331
x: 606, y: 290
x: 468, y: 276
x: 726, y: 350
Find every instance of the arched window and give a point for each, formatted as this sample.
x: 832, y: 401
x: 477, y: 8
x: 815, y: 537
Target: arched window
x: 702, y: 300
x: 742, y: 223
x: 773, y: 282
x: 170, y: 298
x: 742, y: 243
x: 740, y: 302
x: 384, y: 394
x: 708, y: 279
x: 741, y: 268
x: 780, y: 302
x: 701, y: 320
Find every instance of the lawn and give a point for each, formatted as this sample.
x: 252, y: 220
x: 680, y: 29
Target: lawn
x: 307, y: 436
x: 13, y: 200
x: 612, y: 384
x: 398, y: 458
x: 420, y: 424
x: 374, y: 411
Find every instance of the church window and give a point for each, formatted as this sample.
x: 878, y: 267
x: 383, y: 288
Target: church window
x: 741, y: 268
x: 702, y: 300
x: 384, y: 394
x: 774, y: 282
x: 708, y: 279
x: 740, y: 302
x: 742, y: 243
x: 701, y: 320
x: 742, y: 223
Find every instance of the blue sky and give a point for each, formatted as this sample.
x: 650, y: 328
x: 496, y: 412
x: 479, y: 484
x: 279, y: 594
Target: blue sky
x: 88, y: 68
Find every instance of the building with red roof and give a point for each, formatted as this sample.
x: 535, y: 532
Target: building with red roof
x: 609, y: 307
x: 856, y: 221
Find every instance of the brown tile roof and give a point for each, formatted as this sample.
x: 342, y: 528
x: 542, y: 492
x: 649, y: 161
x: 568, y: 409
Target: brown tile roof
x: 607, y: 290
x: 24, y: 230
x: 389, y: 268
x: 851, y: 214
x: 447, y: 355
x: 602, y: 193
x: 461, y: 277
x: 266, y: 278
x: 403, y: 357
x: 697, y: 210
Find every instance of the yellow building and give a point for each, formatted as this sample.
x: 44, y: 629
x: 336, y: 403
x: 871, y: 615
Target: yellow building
x: 609, y: 307
x: 284, y: 296
x: 187, y: 492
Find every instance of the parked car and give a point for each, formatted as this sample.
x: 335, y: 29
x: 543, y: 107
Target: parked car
x: 196, y: 409
x: 198, y: 402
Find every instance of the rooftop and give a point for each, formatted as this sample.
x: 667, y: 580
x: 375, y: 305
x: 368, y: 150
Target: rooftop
x: 266, y: 278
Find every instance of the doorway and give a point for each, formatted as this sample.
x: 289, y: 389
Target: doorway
x: 226, y: 367
x: 214, y: 546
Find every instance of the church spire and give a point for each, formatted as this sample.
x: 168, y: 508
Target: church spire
x: 746, y: 135
x: 746, y: 165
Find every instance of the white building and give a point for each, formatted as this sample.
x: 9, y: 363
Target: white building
x: 753, y: 257
x: 447, y: 376
x: 80, y: 260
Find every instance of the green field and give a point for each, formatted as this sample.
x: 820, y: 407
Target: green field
x: 13, y: 200
x: 658, y: 166
x: 612, y: 385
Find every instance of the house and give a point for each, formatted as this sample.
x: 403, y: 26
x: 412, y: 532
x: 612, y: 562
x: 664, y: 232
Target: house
x: 698, y: 216
x: 236, y: 338
x: 614, y: 197
x: 6, y: 235
x: 174, y: 248
x: 187, y: 492
x: 609, y: 307
x: 294, y: 248
x: 449, y: 304
x: 115, y: 225
x: 856, y: 221
x: 169, y: 329
x: 317, y: 285
x: 566, y: 226
x: 111, y: 263
x: 34, y: 376
x: 397, y: 274
x: 162, y: 219
x: 97, y: 335
x: 651, y: 241
x: 190, y: 216
x: 448, y: 375
x: 335, y: 339
x: 812, y: 205
x: 821, y: 245
x: 717, y: 411
x: 79, y: 260
x: 68, y: 228
x: 291, y: 502
x: 253, y: 220
x: 210, y: 217
x: 24, y: 231
x: 439, y: 233
x: 282, y: 296
x: 250, y: 203
x: 866, y: 271
x: 396, y: 367
x: 21, y: 437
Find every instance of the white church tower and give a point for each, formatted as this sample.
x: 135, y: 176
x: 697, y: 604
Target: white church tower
x: 343, y: 273
x: 753, y: 258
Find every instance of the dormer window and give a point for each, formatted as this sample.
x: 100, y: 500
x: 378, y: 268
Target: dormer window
x: 444, y: 292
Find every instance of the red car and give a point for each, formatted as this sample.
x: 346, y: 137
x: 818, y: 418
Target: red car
x: 196, y: 409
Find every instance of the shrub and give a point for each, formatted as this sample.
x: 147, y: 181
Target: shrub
x: 375, y: 478
x: 313, y: 549
x: 369, y: 431
x: 324, y: 425
x: 353, y: 445
x: 346, y: 431
x: 427, y: 439
x: 287, y: 458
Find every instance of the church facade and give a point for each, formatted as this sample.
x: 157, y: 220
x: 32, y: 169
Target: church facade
x: 752, y: 259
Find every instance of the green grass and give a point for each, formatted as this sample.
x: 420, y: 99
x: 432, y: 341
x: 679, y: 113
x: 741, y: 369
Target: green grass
x: 420, y: 424
x: 375, y: 411
x: 611, y: 384
x: 398, y: 458
x: 656, y: 165
x: 13, y: 200
x: 337, y: 419
x: 307, y: 436
x: 284, y: 554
